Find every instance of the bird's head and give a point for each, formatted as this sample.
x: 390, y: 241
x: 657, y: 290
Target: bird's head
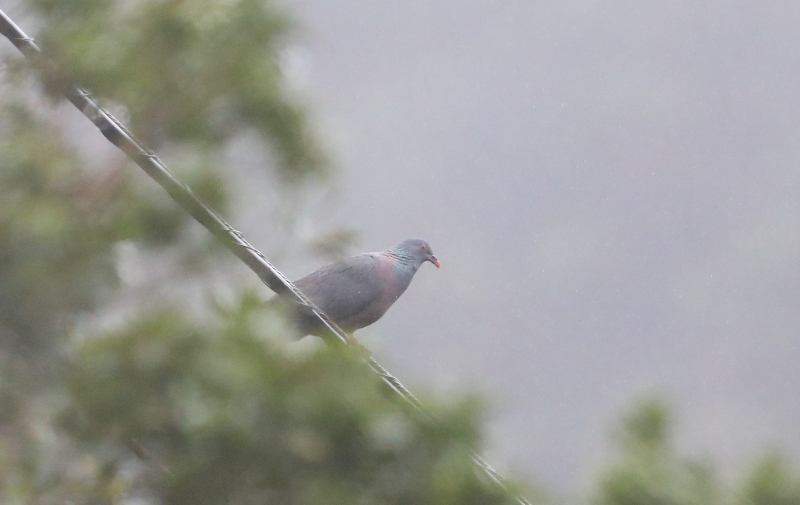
x: 419, y: 250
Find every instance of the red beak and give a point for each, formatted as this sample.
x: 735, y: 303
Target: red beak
x: 435, y: 261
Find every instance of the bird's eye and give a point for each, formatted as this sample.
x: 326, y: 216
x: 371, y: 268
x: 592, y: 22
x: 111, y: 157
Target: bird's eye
x: 422, y: 246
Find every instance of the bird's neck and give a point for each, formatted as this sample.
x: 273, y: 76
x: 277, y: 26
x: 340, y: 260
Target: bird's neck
x: 403, y: 259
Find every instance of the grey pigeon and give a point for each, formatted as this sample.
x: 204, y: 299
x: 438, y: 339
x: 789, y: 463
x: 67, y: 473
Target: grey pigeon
x: 357, y: 291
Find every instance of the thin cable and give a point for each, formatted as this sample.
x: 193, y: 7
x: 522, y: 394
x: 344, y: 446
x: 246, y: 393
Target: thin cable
x: 123, y: 139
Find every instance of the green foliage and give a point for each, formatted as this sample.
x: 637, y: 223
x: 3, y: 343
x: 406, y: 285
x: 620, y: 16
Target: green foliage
x: 187, y: 71
x: 224, y: 415
x: 170, y: 407
x: 773, y: 482
x: 191, y: 75
x: 648, y: 472
x: 54, y: 244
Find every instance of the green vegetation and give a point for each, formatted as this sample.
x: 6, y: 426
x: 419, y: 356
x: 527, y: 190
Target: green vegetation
x: 648, y: 471
x: 170, y: 404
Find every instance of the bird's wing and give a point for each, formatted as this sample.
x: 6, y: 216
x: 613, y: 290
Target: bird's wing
x: 344, y: 289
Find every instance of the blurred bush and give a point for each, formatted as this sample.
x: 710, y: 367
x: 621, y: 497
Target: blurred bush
x: 186, y: 71
x: 167, y: 404
x: 175, y: 412
x: 648, y: 470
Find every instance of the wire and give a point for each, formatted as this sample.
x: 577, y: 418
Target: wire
x: 122, y: 138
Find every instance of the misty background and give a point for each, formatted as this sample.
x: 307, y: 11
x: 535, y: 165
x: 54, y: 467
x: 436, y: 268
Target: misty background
x: 612, y: 189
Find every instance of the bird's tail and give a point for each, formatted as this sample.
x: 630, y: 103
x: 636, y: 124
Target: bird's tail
x: 296, y: 315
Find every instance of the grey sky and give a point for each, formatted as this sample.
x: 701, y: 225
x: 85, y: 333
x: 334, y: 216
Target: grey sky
x: 613, y: 189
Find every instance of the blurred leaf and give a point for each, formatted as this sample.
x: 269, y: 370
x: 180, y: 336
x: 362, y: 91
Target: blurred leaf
x: 646, y: 426
x: 54, y: 256
x: 193, y: 71
x: 236, y: 419
x: 773, y: 482
x: 648, y: 472
x: 335, y: 244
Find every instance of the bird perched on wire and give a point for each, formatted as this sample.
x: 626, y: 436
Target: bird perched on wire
x: 356, y: 291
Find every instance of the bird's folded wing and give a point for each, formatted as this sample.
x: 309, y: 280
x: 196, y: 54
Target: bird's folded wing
x: 344, y: 289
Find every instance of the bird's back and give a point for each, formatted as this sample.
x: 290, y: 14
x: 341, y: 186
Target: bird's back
x: 344, y: 290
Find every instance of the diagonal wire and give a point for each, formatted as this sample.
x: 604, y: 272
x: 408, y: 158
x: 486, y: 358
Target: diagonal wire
x: 122, y: 138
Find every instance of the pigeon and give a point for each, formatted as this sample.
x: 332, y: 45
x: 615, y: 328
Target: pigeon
x: 357, y: 291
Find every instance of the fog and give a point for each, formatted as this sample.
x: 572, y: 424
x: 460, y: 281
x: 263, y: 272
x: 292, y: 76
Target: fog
x: 613, y: 191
